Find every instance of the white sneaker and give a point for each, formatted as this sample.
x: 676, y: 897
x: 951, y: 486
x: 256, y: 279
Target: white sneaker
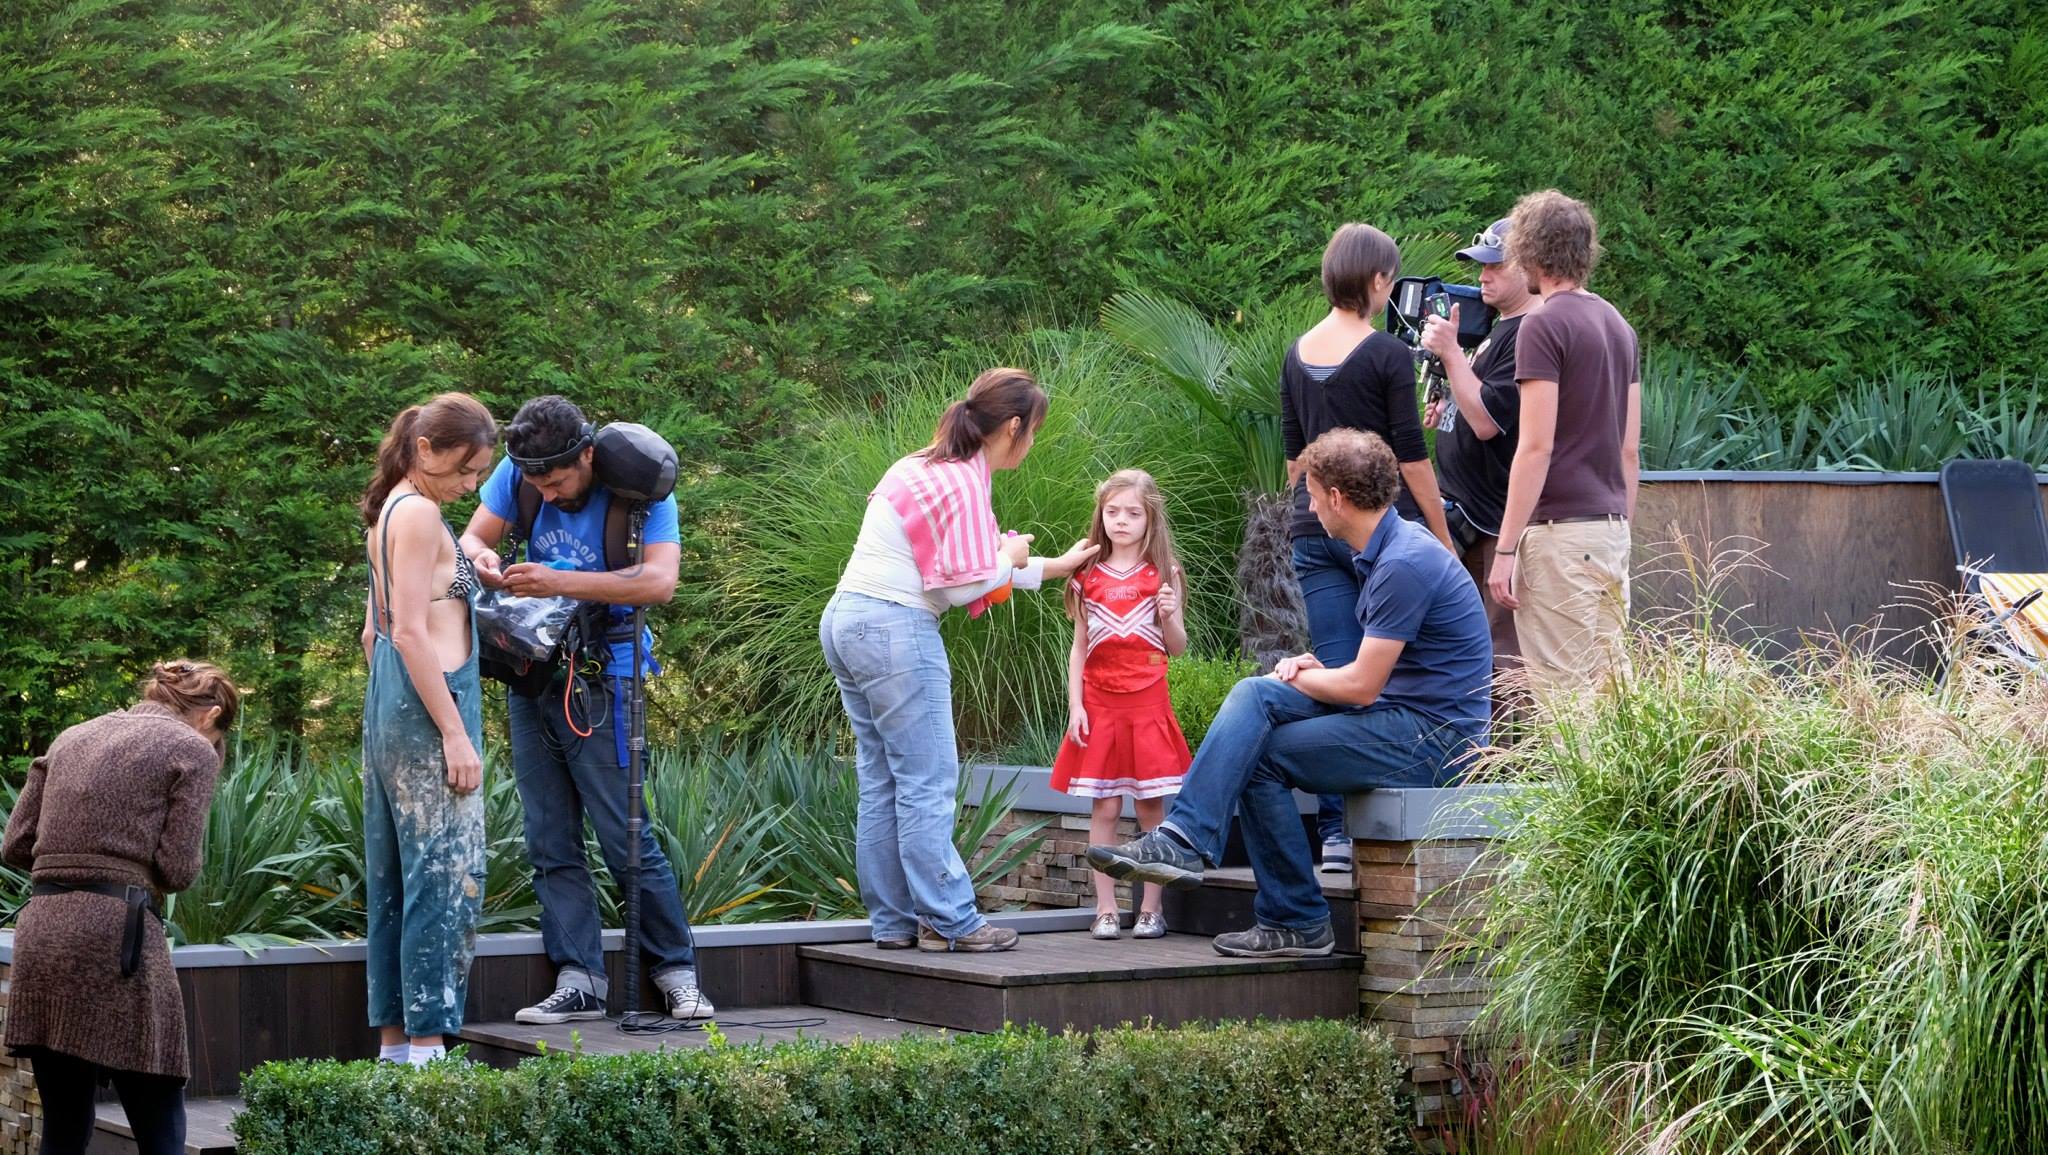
x: 685, y: 1002
x: 1337, y: 856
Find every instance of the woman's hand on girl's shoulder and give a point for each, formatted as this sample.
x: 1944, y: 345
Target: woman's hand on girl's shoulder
x: 1080, y: 554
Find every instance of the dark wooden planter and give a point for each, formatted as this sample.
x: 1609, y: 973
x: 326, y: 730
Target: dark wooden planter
x: 1849, y: 554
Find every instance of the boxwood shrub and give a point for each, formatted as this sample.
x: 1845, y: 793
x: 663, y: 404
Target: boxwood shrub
x: 1209, y: 1090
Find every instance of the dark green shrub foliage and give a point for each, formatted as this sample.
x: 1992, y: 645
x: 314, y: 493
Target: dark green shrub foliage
x: 239, y: 235
x: 1268, y: 1089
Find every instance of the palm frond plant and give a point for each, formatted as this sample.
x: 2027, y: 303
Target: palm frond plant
x: 1232, y: 377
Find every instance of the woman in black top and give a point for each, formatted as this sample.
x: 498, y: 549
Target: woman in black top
x: 1344, y: 373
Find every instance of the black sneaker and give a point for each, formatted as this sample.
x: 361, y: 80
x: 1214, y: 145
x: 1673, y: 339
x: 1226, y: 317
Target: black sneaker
x: 1155, y: 857
x: 566, y: 1005
x: 1272, y: 942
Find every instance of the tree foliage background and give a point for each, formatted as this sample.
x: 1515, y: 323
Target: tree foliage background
x: 236, y: 236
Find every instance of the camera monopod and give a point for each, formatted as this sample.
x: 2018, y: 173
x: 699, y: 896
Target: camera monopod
x: 637, y: 466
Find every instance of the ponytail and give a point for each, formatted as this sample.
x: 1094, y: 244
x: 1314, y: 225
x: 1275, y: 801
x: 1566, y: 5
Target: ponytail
x: 995, y: 397
x: 394, y: 460
x: 449, y: 421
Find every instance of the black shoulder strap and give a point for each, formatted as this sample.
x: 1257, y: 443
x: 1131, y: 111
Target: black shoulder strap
x: 621, y: 544
x: 529, y: 508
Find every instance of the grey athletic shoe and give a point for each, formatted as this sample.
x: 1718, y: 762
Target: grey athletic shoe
x: 1149, y: 925
x: 989, y: 938
x: 1272, y: 942
x: 1337, y: 856
x: 1154, y: 857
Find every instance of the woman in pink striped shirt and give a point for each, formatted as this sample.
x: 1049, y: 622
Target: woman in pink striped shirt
x: 928, y: 543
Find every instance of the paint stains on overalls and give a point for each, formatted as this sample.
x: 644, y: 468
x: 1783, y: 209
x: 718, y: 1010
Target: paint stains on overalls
x: 423, y: 843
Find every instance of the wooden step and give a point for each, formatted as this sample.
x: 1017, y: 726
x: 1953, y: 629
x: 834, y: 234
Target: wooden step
x: 505, y: 1044
x: 1223, y: 903
x: 206, y: 1128
x: 1071, y: 980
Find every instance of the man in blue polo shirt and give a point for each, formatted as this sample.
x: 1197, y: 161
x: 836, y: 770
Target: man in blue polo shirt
x: 1407, y: 712
x: 568, y: 750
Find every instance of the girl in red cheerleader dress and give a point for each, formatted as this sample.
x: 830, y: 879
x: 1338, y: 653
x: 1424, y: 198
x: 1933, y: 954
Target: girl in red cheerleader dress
x: 1123, y: 740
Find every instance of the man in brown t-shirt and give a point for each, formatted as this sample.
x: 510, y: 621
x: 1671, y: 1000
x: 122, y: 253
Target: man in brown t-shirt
x: 1572, y: 488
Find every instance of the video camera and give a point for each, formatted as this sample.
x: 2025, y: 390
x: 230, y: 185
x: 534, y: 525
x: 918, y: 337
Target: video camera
x: 1416, y: 299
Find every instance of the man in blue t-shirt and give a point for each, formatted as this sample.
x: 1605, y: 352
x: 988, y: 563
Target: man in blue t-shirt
x: 567, y: 741
x: 1407, y: 712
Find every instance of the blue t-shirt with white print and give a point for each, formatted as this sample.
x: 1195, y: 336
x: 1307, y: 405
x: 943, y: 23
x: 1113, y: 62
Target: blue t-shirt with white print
x: 578, y: 538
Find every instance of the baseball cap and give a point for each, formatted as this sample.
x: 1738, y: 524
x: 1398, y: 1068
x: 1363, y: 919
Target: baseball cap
x: 1489, y: 247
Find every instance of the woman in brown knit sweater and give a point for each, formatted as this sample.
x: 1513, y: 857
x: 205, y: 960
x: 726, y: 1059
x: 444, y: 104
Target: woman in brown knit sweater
x: 112, y: 819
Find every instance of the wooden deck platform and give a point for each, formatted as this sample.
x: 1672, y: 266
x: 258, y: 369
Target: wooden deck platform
x: 206, y: 1128
x: 1071, y: 980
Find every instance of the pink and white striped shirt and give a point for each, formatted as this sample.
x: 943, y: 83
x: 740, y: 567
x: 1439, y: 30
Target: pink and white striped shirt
x: 930, y: 539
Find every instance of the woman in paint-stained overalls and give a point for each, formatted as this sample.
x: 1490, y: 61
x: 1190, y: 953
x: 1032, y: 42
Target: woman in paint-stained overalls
x: 423, y: 811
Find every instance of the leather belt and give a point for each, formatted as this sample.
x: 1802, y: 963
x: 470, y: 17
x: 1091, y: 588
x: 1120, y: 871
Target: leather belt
x: 138, y: 899
x: 1580, y: 518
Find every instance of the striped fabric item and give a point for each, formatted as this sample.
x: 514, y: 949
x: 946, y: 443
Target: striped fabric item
x: 1128, y: 617
x: 948, y: 515
x: 2029, y: 627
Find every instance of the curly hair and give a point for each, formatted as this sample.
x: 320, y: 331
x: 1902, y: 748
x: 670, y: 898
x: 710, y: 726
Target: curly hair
x: 1357, y: 464
x: 544, y: 427
x: 1554, y: 235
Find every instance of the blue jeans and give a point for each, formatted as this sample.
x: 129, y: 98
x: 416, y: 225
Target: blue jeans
x: 897, y: 687
x: 1270, y: 739
x: 1329, y: 592
x: 563, y: 779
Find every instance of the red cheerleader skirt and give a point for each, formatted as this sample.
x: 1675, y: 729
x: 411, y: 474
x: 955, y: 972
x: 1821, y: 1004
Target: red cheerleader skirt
x: 1135, y: 748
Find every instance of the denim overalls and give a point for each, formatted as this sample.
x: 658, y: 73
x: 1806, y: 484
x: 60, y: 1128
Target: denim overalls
x: 423, y: 844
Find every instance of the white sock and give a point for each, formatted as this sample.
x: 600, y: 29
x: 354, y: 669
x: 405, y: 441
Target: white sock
x: 421, y: 1056
x: 395, y: 1053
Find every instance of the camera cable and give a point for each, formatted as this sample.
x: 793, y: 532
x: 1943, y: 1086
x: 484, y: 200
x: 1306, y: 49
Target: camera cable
x: 656, y: 1023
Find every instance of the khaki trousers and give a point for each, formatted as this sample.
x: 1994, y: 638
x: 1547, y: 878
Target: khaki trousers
x: 1572, y: 579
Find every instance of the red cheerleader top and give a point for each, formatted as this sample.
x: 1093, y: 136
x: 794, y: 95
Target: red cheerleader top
x: 1126, y: 651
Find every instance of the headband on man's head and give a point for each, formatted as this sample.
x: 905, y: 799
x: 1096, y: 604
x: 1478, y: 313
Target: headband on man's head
x: 539, y: 466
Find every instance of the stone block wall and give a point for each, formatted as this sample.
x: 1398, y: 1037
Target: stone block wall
x: 1058, y: 875
x: 21, y: 1114
x: 1421, y: 909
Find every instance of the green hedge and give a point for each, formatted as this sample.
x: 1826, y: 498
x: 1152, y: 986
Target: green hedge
x: 238, y: 236
x: 1266, y: 1088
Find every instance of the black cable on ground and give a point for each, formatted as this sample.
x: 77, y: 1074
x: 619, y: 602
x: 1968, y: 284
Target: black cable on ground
x: 656, y: 1023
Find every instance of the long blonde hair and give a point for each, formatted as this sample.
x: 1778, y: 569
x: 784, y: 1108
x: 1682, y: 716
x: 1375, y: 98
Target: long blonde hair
x: 1157, y: 546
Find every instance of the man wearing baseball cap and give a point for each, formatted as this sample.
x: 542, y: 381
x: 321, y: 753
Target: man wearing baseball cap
x: 1476, y: 423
